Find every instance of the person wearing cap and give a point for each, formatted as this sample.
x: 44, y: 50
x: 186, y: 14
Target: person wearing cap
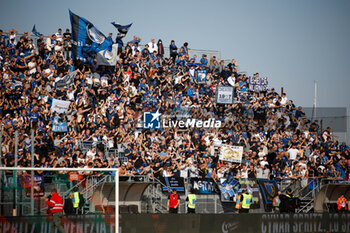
x: 173, y: 202
x: 21, y: 64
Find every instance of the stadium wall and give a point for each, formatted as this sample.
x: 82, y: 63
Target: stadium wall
x: 171, y: 223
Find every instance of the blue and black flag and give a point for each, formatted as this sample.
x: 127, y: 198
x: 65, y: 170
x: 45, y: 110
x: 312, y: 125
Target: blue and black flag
x: 86, y: 38
x: 122, y: 29
x: 35, y: 32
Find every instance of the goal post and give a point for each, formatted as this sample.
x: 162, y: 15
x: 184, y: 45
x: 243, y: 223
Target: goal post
x: 116, y: 181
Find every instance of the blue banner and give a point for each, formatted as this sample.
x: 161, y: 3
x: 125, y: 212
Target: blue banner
x: 35, y: 32
x: 204, y: 186
x: 173, y: 183
x: 269, y: 189
x: 86, y: 38
x: 58, y: 125
x: 122, y: 29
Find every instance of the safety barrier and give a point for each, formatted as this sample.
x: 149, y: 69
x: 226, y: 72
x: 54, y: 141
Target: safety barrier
x: 173, y: 223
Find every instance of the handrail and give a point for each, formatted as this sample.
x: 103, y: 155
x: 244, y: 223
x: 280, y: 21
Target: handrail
x: 307, y: 204
x: 66, y: 193
x: 293, y: 182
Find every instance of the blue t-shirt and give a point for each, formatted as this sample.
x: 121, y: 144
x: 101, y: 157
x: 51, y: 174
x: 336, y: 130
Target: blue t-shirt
x: 34, y: 116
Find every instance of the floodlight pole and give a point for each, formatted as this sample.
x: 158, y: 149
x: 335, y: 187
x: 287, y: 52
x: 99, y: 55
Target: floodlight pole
x: 116, y: 183
x: 15, y: 176
x: 32, y: 176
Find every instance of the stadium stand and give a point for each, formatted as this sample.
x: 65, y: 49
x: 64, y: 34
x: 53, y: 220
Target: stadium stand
x: 103, y: 123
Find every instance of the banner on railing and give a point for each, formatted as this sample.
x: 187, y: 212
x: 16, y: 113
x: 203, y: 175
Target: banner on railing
x: 269, y: 190
x: 204, y: 186
x: 73, y: 176
x: 38, y: 185
x: 173, y: 183
x: 230, y: 190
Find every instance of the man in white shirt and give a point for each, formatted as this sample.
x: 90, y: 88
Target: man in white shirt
x: 59, y: 35
x: 293, y: 152
x: 266, y: 173
x: 152, y: 46
x: 32, y: 66
x: 284, y: 99
x: 91, y: 153
x: 135, y: 48
x: 48, y: 43
x: 259, y: 171
x: 104, y: 80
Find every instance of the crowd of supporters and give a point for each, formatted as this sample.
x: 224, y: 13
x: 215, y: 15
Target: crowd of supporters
x: 107, y: 105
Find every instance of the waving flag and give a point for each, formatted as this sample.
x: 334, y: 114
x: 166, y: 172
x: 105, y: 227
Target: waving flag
x: 108, y: 58
x: 86, y: 38
x: 122, y: 29
x: 35, y: 32
x: 66, y: 80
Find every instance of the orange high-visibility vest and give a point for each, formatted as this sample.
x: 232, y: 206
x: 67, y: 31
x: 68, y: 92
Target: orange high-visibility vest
x: 238, y: 203
x: 342, y: 203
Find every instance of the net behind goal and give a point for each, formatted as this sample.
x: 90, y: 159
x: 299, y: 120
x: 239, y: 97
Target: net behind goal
x: 20, y: 185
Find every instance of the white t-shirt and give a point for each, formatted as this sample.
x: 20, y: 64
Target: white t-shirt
x: 191, y: 71
x: 81, y: 160
x: 231, y: 80
x: 90, y: 155
x: 293, y: 153
x: 244, y: 174
x: 13, y: 36
x: 152, y: 47
x: 70, y: 95
x: 32, y: 67
x: 89, y: 79
x: 104, y: 79
x: 284, y: 100
x: 264, y: 163
x: 96, y: 78
x: 59, y: 36
x: 58, y: 48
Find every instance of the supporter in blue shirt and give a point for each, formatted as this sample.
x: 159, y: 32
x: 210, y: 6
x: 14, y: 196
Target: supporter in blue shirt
x: 3, y: 38
x: 190, y: 90
x: 145, y: 52
x: 136, y: 40
x: 204, y: 60
x: 299, y: 113
x: 186, y: 50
